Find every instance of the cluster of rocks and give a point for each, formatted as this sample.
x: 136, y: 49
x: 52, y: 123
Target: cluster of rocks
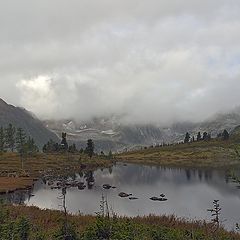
x: 125, y: 195
x: 121, y: 194
x: 162, y: 197
x: 61, y: 183
x: 68, y: 184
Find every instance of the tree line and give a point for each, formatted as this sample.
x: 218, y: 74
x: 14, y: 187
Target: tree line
x: 63, y: 146
x: 205, y: 136
x: 15, y: 139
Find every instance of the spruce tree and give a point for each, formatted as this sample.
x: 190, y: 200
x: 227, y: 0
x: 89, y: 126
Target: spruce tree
x: 64, y: 144
x: 50, y: 146
x: 44, y: 149
x: 225, y: 135
x: 187, y: 138
x: 72, y: 148
x: 31, y: 146
x: 2, y: 139
x: 205, y: 136
x: 209, y: 136
x: 20, y: 140
x: 81, y: 150
x: 110, y: 155
x: 199, y: 137
x: 21, y: 143
x: 90, y: 148
x: 10, y: 136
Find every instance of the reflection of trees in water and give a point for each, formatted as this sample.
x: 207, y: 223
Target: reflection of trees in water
x: 110, y: 170
x: 18, y: 197
x: 151, y: 175
x: 207, y: 174
x: 234, y: 176
x: 188, y: 174
x: 89, y: 179
x: 200, y: 175
x: 44, y: 180
x: 226, y: 178
x: 132, y: 175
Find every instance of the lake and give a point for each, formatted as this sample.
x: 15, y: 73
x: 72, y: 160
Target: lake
x: 189, y: 192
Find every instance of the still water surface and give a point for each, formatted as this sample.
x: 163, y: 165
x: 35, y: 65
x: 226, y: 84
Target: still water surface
x: 190, y: 193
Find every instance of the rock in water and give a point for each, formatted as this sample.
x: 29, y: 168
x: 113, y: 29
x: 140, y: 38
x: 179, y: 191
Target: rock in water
x: 124, y: 195
x: 106, y: 186
x: 133, y: 198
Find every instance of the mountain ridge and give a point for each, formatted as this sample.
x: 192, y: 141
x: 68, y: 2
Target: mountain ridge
x: 110, y: 134
x: 20, y: 117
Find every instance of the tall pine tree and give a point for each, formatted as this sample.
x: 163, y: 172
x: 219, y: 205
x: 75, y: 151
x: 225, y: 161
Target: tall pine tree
x: 225, y: 135
x: 205, y: 136
x: 2, y: 139
x: 187, y: 138
x: 31, y: 146
x: 90, y: 148
x: 21, y: 143
x: 10, y: 136
x: 20, y: 140
x: 64, y: 144
x: 199, y: 136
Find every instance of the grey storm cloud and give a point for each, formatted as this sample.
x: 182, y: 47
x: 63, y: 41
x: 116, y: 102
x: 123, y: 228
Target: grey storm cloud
x: 149, y: 61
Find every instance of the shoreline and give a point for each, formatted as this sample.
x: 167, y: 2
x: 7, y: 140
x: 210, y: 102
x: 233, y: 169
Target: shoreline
x: 13, y: 178
x: 198, y: 155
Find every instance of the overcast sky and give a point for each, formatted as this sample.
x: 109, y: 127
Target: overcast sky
x: 152, y: 61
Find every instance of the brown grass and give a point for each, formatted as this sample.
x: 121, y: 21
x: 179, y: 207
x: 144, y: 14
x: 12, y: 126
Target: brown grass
x: 213, y: 153
x: 9, y: 184
x: 50, y: 220
x: 39, y: 164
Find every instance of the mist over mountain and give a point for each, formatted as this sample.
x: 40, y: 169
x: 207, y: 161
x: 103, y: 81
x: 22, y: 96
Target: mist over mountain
x: 111, y: 134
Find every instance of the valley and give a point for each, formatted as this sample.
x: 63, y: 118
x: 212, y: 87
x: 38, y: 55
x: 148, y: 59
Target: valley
x: 138, y: 181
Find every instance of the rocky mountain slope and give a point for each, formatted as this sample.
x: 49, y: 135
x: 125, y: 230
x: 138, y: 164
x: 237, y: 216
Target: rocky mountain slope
x: 109, y: 133
x: 19, y: 117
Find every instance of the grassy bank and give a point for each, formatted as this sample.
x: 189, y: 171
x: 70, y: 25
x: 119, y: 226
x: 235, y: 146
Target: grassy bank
x: 214, y: 153
x: 13, y: 176
x: 47, y: 224
x: 10, y: 184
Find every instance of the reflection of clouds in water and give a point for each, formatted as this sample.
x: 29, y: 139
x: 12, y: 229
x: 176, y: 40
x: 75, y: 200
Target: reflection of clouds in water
x: 46, y: 198
x: 190, y: 193
x: 149, y: 175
